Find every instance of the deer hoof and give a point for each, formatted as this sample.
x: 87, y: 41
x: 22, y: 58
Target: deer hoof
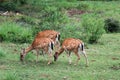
x: 75, y: 64
x: 86, y: 65
x: 69, y: 63
x: 48, y: 63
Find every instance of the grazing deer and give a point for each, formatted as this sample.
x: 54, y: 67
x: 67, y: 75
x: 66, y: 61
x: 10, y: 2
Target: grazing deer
x: 72, y: 45
x: 45, y: 44
x: 54, y: 35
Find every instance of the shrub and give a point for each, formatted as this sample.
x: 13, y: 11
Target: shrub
x: 8, y: 6
x: 2, y: 53
x: 1, y: 37
x: 15, y: 33
x: 22, y: 2
x: 71, y: 29
x: 93, y: 28
x: 52, y: 18
x: 112, y: 25
x: 11, y: 5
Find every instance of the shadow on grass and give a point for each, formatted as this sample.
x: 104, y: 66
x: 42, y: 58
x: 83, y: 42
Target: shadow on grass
x: 115, y: 67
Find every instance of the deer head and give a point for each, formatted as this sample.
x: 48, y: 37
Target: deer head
x: 55, y: 56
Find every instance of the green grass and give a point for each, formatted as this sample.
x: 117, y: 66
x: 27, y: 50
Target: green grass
x: 39, y: 15
x: 104, y: 57
x: 104, y: 63
x: 13, y: 32
x: 2, y: 53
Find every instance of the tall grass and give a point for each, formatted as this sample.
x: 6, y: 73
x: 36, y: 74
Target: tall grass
x: 71, y: 29
x: 93, y: 28
x: 52, y: 18
x: 12, y: 32
x: 2, y: 53
x: 11, y: 76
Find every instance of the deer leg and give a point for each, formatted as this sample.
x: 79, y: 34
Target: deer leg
x: 37, y: 54
x: 58, y: 45
x: 45, y: 56
x: 69, y: 56
x: 78, y: 55
x: 49, y: 51
x: 50, y: 57
x: 85, y: 55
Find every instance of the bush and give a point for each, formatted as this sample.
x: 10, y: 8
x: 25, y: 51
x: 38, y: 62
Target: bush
x: 8, y: 6
x: 52, y: 18
x: 112, y: 25
x: 2, y: 53
x: 1, y: 37
x: 22, y: 2
x: 11, y: 5
x: 93, y: 28
x: 15, y: 33
x: 71, y: 29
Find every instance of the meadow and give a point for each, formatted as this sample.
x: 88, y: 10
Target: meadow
x: 72, y: 18
x: 104, y: 63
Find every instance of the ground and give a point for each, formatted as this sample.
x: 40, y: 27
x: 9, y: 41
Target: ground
x: 104, y: 63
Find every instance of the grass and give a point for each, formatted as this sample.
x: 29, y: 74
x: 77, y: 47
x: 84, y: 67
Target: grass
x: 11, y: 76
x: 2, y: 53
x: 104, y: 57
x: 104, y: 63
x: 49, y: 14
x: 13, y: 32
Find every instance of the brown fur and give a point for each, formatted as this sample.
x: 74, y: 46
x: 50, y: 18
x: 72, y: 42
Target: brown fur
x: 50, y: 34
x: 71, y: 45
x: 38, y: 43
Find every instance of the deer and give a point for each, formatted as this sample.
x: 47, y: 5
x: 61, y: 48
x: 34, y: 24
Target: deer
x: 45, y: 44
x: 52, y: 34
x: 72, y: 45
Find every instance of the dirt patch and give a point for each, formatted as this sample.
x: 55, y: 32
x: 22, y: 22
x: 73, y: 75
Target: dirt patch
x: 72, y: 12
x: 2, y: 67
x: 115, y: 67
x: 44, y: 75
x: 114, y: 58
x: 93, y: 60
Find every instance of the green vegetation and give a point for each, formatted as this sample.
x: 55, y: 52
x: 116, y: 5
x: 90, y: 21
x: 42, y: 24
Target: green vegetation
x: 14, y: 33
x: 104, y: 63
x: 11, y: 76
x: 2, y: 53
x: 93, y: 28
x: 87, y: 20
x: 112, y: 25
x: 64, y: 16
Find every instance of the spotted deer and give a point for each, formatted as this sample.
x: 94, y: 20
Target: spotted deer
x: 72, y: 45
x: 45, y: 44
x: 54, y: 35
